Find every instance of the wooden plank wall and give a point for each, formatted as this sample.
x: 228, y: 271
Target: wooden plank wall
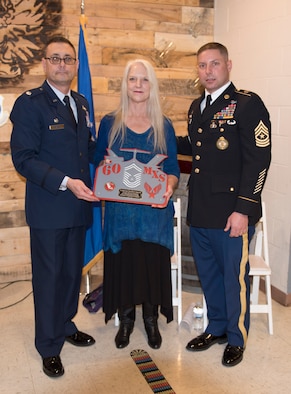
x: 165, y: 32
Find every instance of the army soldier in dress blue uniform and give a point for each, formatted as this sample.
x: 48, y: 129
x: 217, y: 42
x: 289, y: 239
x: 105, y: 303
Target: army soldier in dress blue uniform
x: 230, y: 142
x: 51, y: 147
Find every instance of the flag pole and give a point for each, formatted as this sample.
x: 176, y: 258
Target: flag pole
x: 83, y: 21
x: 82, y: 7
x: 93, y: 243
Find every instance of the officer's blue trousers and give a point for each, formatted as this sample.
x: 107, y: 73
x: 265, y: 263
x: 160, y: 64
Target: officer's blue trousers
x: 223, y: 268
x: 57, y: 261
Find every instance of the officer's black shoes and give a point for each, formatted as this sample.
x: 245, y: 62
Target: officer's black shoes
x: 80, y: 339
x: 52, y: 366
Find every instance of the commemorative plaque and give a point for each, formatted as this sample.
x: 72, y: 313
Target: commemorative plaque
x: 131, y: 181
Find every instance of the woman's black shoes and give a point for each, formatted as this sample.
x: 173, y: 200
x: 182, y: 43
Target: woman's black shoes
x: 153, y: 333
x: 127, y: 317
x: 122, y: 337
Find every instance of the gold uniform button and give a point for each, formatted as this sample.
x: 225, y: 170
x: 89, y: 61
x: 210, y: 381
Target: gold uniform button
x: 198, y: 143
x: 231, y: 189
x: 200, y: 130
x: 197, y: 170
x: 197, y: 157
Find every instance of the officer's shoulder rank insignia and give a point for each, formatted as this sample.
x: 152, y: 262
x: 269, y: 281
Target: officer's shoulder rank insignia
x: 244, y: 92
x: 34, y: 92
x: 262, y: 136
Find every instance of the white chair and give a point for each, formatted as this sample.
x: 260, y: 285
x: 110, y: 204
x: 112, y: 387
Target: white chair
x: 176, y: 264
x: 260, y: 267
x: 176, y: 261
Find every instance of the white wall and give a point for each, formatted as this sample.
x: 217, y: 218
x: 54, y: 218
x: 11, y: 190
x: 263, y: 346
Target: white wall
x: 257, y: 34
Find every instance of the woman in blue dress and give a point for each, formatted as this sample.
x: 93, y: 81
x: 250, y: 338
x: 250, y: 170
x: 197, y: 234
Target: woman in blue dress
x: 138, y: 239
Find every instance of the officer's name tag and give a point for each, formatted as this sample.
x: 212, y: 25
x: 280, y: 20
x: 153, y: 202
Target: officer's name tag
x: 59, y: 126
x: 131, y: 181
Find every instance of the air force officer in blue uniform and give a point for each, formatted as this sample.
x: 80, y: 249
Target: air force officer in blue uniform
x: 229, y: 140
x: 51, y: 147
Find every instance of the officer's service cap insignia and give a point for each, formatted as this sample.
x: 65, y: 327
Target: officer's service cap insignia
x: 262, y: 135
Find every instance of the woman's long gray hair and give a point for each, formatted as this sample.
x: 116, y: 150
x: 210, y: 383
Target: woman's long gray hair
x: 154, y: 110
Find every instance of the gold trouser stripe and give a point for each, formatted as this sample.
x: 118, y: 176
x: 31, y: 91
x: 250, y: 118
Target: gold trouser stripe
x: 244, y: 259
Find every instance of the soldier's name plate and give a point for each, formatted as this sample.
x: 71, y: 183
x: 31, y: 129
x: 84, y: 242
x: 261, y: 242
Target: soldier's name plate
x: 131, y: 181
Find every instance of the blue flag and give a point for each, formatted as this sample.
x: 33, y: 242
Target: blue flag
x: 93, y: 244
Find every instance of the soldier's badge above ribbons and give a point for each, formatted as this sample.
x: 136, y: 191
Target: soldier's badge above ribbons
x: 131, y: 181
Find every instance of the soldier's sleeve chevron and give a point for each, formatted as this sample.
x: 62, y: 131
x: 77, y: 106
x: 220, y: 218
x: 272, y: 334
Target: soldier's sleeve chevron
x: 262, y: 135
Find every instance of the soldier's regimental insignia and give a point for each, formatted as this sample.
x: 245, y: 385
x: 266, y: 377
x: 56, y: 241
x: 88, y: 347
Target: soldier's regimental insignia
x: 262, y: 135
x: 131, y: 181
x: 222, y: 143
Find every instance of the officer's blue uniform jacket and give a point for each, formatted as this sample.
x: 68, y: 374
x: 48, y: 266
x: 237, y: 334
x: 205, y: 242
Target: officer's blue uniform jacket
x: 46, y: 147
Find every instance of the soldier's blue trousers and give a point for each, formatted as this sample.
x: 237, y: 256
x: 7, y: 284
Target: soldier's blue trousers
x: 223, y: 267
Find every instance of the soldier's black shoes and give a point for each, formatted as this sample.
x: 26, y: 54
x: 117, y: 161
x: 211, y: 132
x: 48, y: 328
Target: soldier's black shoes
x: 204, y: 341
x: 52, y: 366
x: 232, y: 356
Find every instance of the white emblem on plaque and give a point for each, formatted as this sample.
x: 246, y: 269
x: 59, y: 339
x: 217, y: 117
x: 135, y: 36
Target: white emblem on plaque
x: 132, y: 175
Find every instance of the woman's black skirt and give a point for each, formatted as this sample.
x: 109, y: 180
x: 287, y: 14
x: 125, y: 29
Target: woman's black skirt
x: 140, y: 272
